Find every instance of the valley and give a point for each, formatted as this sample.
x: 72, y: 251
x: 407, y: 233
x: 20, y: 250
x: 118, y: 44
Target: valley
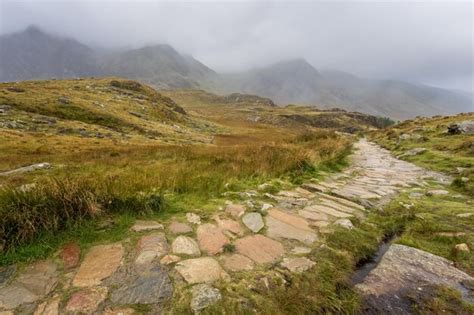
x: 180, y: 201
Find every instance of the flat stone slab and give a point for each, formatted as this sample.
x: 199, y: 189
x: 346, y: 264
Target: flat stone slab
x: 312, y: 215
x: 235, y: 210
x: 184, y: 245
x: 211, y: 239
x: 39, y: 278
x: 237, y: 262
x: 141, y: 225
x: 259, y: 248
x: 402, y: 271
x: 437, y: 192
x: 203, y: 295
x: 6, y: 274
x: 278, y: 229
x: 254, y: 221
x: 86, y: 300
x: 230, y: 227
x: 100, y: 262
x: 150, y: 247
x: 136, y: 287
x: 179, y: 228
x: 315, y: 187
x: 15, y: 295
x: 297, y: 264
x: 327, y: 210
x: 201, y: 270
x: 290, y: 219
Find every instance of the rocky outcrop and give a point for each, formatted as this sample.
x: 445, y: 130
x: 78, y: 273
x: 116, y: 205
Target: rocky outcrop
x: 403, y: 271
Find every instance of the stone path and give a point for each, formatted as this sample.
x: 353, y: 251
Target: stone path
x: 201, y: 251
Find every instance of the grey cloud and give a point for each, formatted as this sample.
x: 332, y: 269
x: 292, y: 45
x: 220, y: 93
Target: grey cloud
x: 429, y: 42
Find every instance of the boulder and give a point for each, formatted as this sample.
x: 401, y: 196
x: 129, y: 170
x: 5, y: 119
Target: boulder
x: 404, y: 270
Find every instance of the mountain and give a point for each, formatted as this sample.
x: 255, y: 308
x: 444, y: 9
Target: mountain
x: 34, y: 54
x: 159, y: 65
x: 297, y: 81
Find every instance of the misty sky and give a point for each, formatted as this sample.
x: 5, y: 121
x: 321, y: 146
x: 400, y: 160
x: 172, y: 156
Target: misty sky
x: 426, y: 42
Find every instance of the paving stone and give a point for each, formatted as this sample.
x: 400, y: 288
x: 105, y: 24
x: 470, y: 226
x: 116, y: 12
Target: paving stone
x: 143, y: 287
x: 203, y: 295
x: 228, y: 225
x: 86, y: 300
x: 179, y: 228
x: 49, y: 307
x: 6, y: 274
x: 193, y: 218
x: 169, y: 259
x: 211, y: 239
x: 328, y: 211
x: 15, y: 295
x: 184, y: 245
x: 259, y: 248
x: 342, y: 201
x: 345, y: 223
x: 297, y: 264
x: 320, y: 224
x: 290, y: 219
x: 200, y: 270
x: 39, y: 278
x: 314, y: 187
x: 150, y: 247
x: 141, y: 225
x: 279, y: 229
x: 437, y: 192
x: 237, y: 262
x: 301, y: 250
x: 254, y: 221
x: 100, y: 262
x: 235, y: 210
x: 312, y: 215
x: 70, y: 255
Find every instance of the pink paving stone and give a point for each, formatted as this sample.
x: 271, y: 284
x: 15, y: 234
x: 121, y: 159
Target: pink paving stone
x: 211, y: 239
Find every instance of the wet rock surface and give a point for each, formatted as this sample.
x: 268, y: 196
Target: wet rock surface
x: 402, y: 271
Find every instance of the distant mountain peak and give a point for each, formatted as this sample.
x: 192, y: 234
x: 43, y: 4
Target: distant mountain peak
x: 34, y: 30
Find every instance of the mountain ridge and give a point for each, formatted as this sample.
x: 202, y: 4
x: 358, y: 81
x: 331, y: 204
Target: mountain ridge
x: 34, y: 54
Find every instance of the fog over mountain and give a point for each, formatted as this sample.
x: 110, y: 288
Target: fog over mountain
x: 376, y: 57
